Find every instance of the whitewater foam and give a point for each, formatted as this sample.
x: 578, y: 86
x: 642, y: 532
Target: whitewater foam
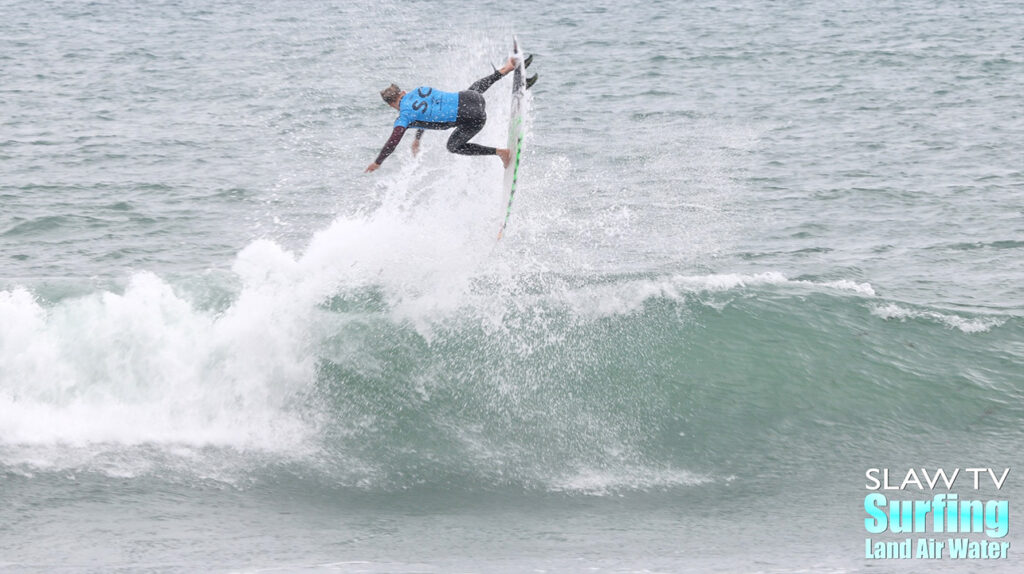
x: 602, y: 482
x: 146, y: 367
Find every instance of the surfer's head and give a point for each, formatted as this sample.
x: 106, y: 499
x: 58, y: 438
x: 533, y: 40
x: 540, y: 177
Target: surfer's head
x: 391, y: 95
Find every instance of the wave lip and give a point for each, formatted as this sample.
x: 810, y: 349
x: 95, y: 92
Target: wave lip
x: 892, y: 311
x: 630, y: 296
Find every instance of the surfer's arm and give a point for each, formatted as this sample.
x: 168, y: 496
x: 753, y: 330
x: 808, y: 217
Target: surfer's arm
x: 392, y: 143
x: 416, y: 142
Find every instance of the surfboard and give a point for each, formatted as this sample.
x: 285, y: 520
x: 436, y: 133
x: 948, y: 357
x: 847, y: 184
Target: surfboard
x: 516, y: 130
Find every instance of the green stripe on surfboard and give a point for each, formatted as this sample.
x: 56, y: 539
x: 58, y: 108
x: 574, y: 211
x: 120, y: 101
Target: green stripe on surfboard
x: 515, y: 179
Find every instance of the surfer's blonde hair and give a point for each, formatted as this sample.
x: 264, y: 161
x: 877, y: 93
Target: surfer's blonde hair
x: 391, y: 93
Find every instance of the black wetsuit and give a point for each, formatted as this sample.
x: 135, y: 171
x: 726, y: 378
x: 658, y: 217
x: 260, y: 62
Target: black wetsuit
x: 470, y: 117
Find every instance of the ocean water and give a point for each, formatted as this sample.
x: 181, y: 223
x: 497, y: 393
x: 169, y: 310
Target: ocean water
x: 757, y: 249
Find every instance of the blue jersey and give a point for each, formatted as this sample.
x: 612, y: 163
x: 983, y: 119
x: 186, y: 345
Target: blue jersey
x: 427, y: 108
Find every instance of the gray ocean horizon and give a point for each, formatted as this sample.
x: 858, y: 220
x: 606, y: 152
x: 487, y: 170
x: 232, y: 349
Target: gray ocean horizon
x: 756, y: 250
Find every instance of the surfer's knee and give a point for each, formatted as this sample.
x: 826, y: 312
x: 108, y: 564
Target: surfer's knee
x: 453, y: 144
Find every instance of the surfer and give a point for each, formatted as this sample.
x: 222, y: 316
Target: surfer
x: 429, y: 109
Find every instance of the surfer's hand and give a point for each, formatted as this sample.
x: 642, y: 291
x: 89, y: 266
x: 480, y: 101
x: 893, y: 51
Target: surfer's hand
x: 415, y: 147
x: 372, y: 167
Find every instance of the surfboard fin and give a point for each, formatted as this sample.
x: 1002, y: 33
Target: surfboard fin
x: 531, y: 81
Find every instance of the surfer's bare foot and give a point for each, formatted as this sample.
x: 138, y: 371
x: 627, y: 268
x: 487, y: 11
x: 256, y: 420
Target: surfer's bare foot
x: 509, y: 66
x: 505, y: 156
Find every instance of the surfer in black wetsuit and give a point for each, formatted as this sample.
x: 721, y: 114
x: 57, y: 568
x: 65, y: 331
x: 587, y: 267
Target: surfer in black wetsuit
x: 429, y: 109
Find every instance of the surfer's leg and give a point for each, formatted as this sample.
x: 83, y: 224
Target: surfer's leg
x: 459, y: 140
x: 480, y: 86
x: 471, y: 119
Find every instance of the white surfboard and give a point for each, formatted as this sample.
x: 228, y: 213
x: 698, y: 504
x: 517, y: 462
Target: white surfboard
x: 516, y: 130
